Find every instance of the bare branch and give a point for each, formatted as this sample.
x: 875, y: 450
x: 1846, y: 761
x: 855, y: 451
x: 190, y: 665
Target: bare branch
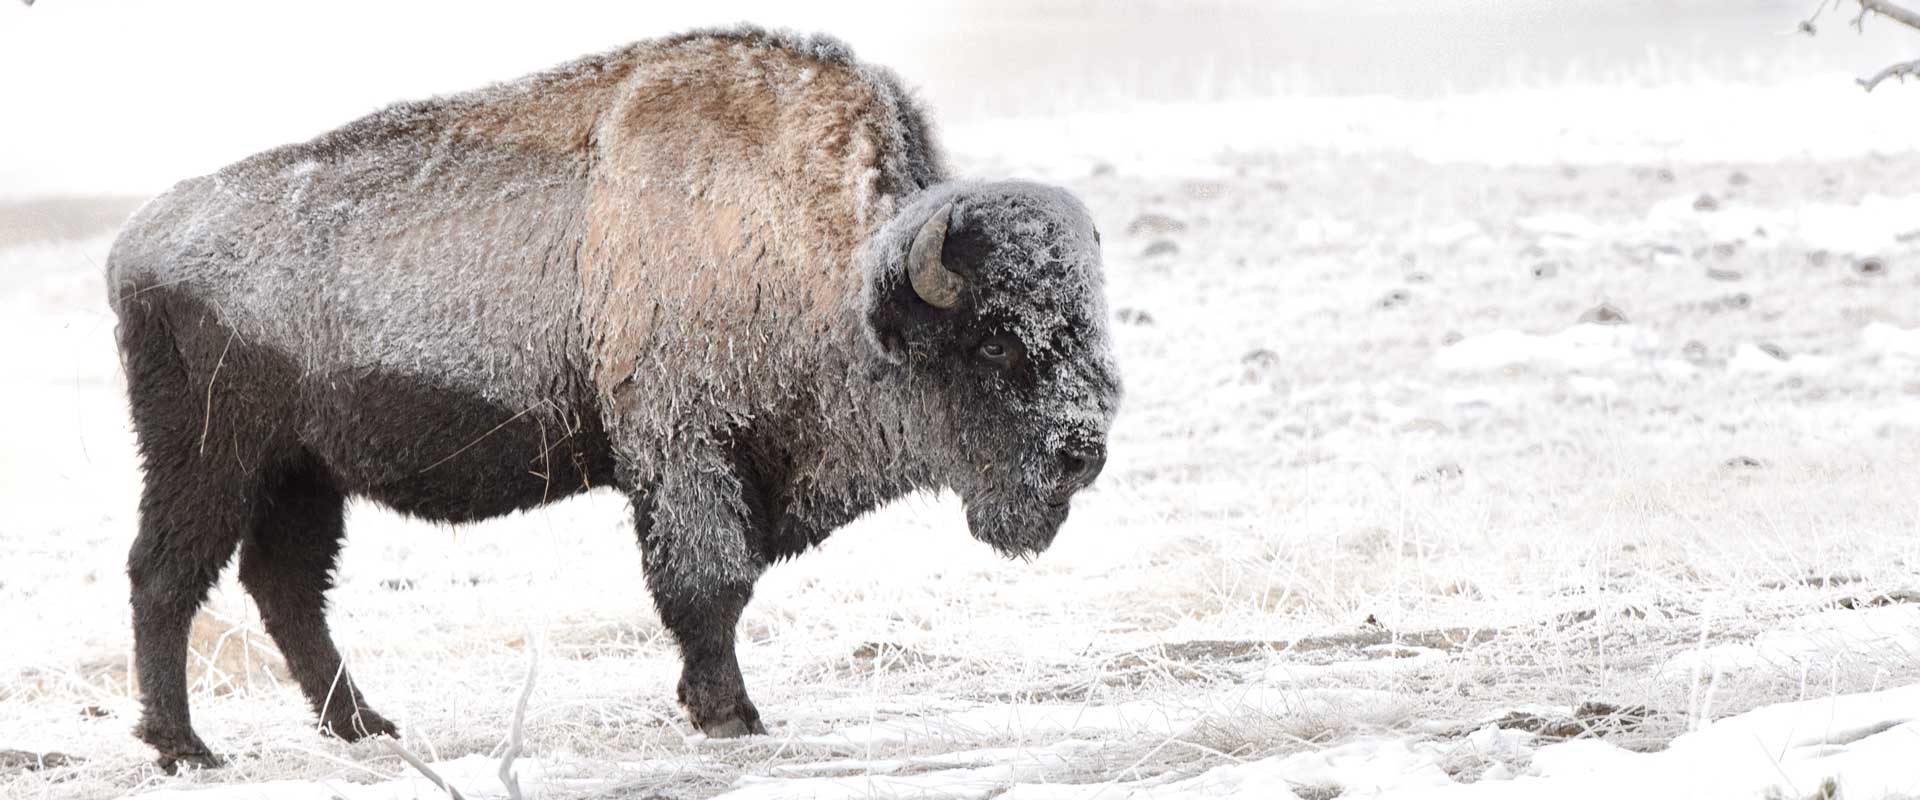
x: 1886, y: 8
x: 1900, y: 71
x: 516, y: 735
x: 1806, y: 26
x: 1897, y: 13
x: 421, y: 766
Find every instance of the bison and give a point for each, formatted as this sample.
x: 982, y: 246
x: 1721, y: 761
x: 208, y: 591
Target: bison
x: 724, y: 273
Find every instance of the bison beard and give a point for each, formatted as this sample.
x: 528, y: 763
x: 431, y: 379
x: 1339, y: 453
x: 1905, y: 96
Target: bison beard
x: 723, y: 273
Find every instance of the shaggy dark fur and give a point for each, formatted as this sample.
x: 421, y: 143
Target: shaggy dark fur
x: 679, y: 270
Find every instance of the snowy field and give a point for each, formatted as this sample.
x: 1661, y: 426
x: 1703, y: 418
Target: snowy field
x: 1513, y: 443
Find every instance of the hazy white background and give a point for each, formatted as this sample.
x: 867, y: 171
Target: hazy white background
x: 128, y: 96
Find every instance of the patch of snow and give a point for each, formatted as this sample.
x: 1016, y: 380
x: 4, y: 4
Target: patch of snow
x: 1453, y: 235
x: 1891, y: 633
x: 1863, y: 741
x: 1368, y: 767
x: 1140, y: 716
x: 1480, y: 396
x: 1578, y: 347
x: 1563, y: 224
x: 1872, y: 226
x: 1592, y: 387
x: 1888, y: 340
x: 1318, y: 232
x: 1750, y: 358
x: 950, y: 784
x: 475, y: 776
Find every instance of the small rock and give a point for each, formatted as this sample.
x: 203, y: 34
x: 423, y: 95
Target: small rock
x: 1870, y: 267
x: 1419, y: 277
x: 1133, y: 316
x: 1451, y: 338
x: 1694, y: 352
x: 1163, y: 247
x: 1772, y: 349
x: 1724, y: 274
x: 1155, y: 224
x: 1393, y: 299
x: 1664, y: 175
x: 1603, y: 314
x: 1261, y: 358
x: 1440, y: 473
x: 1738, y: 301
x: 1102, y: 169
x: 1744, y: 462
x: 1545, y: 270
x: 1706, y: 202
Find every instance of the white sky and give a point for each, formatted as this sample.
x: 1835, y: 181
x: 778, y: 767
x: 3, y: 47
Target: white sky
x: 127, y: 96
x: 155, y: 91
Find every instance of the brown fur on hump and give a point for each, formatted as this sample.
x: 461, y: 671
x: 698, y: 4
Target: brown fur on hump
x: 554, y: 111
x: 738, y: 174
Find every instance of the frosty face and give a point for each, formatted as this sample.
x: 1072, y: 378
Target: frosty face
x: 998, y: 315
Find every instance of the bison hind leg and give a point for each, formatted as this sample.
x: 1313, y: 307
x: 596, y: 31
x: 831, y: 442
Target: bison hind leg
x: 195, y: 505
x: 287, y: 566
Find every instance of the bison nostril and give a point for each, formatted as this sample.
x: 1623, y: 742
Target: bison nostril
x: 1080, y: 467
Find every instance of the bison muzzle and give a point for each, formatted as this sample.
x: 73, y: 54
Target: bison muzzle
x: 723, y: 273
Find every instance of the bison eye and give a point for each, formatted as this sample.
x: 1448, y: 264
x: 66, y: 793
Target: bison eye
x: 998, y: 350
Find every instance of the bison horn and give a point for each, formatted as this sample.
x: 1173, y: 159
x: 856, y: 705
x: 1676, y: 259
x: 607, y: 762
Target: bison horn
x: 936, y: 284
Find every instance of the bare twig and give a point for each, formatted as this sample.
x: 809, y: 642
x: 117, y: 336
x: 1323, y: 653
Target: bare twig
x: 1900, y: 71
x: 516, y: 735
x: 1891, y: 11
x: 482, y: 437
x: 421, y: 766
x: 1806, y: 25
x: 1885, y: 8
x: 208, y: 426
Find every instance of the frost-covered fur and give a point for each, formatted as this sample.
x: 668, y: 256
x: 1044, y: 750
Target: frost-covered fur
x: 677, y: 268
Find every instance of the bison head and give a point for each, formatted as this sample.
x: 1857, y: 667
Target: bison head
x: 987, y: 300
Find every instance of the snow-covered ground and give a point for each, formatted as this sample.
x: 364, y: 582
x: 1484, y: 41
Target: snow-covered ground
x: 1517, y: 444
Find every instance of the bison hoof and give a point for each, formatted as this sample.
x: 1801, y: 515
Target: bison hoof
x: 200, y: 759
x: 723, y: 719
x: 177, y: 746
x: 359, y: 725
x: 733, y: 728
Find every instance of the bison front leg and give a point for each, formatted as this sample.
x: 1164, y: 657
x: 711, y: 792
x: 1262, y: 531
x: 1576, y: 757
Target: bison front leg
x: 700, y: 571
